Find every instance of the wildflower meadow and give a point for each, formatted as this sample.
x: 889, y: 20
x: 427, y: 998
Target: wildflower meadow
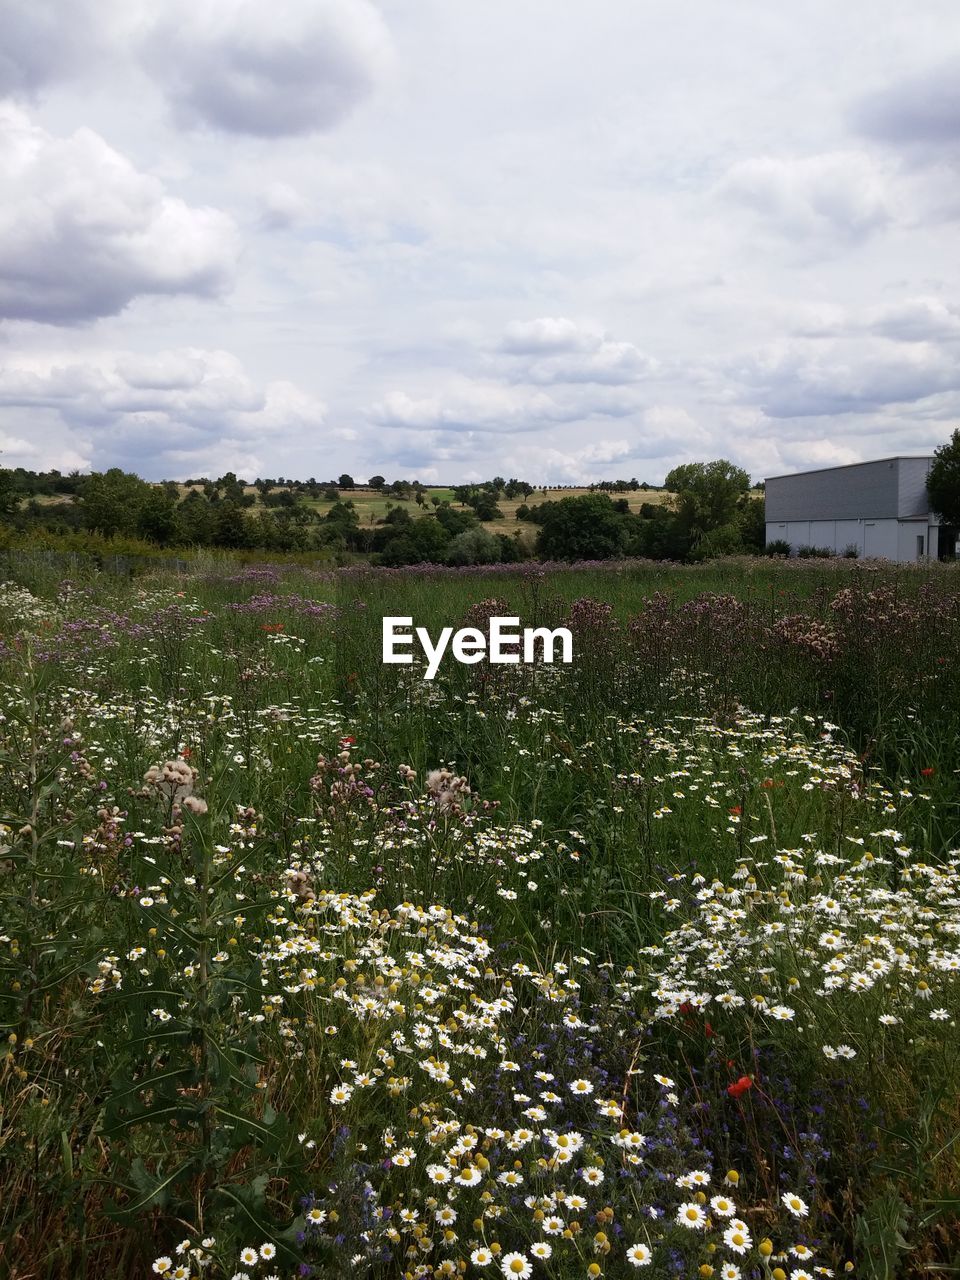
x: 645, y: 965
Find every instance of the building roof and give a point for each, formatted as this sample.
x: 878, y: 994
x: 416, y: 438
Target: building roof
x: 868, y: 462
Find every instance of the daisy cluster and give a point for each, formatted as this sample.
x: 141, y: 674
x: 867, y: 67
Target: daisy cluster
x: 806, y: 936
x: 498, y: 1128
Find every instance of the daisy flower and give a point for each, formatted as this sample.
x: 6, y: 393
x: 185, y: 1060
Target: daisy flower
x: 692, y: 1216
x: 639, y: 1255
x: 516, y: 1266
x: 723, y: 1207
x: 795, y: 1205
x: 737, y: 1240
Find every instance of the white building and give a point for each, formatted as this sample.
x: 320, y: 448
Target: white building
x: 880, y: 508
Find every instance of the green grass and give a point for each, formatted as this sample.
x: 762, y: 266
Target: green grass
x: 743, y: 758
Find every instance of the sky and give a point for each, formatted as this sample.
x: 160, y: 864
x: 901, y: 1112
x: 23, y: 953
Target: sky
x: 445, y: 240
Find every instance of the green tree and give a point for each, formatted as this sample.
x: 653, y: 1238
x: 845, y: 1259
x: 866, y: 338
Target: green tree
x: 9, y: 497
x: 376, y: 482
x: 113, y: 500
x: 585, y: 528
x: 708, y: 494
x: 943, y: 481
x: 157, y: 521
x: 474, y: 546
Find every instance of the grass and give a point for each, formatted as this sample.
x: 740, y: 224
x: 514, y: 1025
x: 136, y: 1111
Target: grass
x: 285, y: 930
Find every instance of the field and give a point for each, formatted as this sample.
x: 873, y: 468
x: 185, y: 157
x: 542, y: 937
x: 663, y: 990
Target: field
x: 372, y: 505
x: 646, y: 964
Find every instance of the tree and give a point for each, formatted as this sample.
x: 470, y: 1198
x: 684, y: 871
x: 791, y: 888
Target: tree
x: 943, y: 481
x: 586, y: 528
x: 708, y: 494
x: 157, y: 520
x: 345, y: 481
x: 9, y: 497
x: 113, y: 500
x: 376, y: 482
x: 474, y: 546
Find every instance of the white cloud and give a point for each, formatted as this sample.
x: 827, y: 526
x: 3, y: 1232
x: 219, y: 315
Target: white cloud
x: 919, y: 319
x: 797, y: 379
x: 83, y: 233
x: 550, y: 335
x: 268, y: 70
x: 163, y: 411
x: 46, y: 41
x: 556, y: 349
x: 840, y: 195
x: 473, y: 406
x: 920, y: 112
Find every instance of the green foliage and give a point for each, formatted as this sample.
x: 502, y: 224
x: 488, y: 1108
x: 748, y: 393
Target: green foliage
x: 474, y: 546
x: 943, y: 480
x: 172, y: 1067
x: 584, y: 528
x: 708, y: 495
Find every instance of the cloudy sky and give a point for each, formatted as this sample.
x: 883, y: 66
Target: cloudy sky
x: 543, y: 238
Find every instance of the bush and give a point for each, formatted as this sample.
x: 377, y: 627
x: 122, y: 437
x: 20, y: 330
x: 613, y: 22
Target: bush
x: 778, y: 547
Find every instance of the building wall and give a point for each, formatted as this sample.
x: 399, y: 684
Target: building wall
x: 912, y: 486
x: 891, y: 539
x: 868, y: 490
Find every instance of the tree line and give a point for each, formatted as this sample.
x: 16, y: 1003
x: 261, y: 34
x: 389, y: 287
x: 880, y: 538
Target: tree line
x: 710, y: 512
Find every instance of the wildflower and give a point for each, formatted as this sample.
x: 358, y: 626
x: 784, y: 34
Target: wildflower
x: 737, y: 1238
x: 516, y: 1266
x: 581, y: 1087
x: 723, y: 1207
x: 541, y: 1249
x: 481, y: 1257
x: 692, y: 1216
x: 739, y: 1087
x: 729, y: 1271
x: 249, y: 1257
x: 795, y: 1205
x: 639, y: 1255
x: 340, y: 1094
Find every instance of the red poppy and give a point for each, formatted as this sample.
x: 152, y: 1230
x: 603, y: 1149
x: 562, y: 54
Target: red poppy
x: 186, y: 753
x: 348, y: 741
x: 736, y: 811
x: 707, y: 1030
x: 928, y: 772
x: 740, y: 1086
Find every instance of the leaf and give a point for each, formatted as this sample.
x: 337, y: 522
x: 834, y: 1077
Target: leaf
x: 251, y: 1198
x: 152, y: 1082
x: 180, y: 1111
x: 151, y: 1189
x: 248, y: 1122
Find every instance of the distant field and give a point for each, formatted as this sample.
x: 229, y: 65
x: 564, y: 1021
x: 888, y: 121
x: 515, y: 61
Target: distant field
x: 372, y: 505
